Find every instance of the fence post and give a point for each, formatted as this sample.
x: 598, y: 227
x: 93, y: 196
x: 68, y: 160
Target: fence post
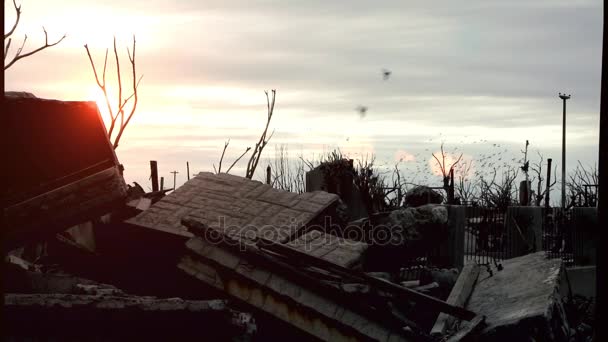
x: 154, y: 174
x: 162, y: 183
x: 455, y: 245
x: 268, y: 173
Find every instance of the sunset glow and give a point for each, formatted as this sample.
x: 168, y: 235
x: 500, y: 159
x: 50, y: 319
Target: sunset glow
x: 206, y: 67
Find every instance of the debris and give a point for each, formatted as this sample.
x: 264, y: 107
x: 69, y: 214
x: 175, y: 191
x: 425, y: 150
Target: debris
x: 54, y: 183
x: 459, y: 295
x: 113, y: 316
x: 469, y: 331
x: 338, y: 250
x: 283, y: 291
x: 239, y: 206
x: 422, y: 195
x: 523, y: 300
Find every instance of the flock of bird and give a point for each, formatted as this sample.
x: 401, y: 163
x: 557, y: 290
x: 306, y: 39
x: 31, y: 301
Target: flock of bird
x: 386, y: 74
x: 483, y: 165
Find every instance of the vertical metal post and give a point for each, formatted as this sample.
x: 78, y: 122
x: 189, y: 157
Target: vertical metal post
x: 602, y: 189
x: 162, y: 183
x: 188, y: 169
x: 548, y: 186
x: 564, y: 97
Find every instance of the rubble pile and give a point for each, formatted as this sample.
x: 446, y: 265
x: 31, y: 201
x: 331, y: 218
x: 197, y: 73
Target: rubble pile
x: 228, y: 258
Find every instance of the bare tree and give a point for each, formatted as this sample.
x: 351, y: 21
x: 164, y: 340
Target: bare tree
x: 580, y: 179
x: 465, y: 188
x: 445, y: 170
x: 259, y: 146
x: 287, y: 175
x: 20, y: 55
x: 499, y: 194
x: 541, y: 188
x: 119, y: 113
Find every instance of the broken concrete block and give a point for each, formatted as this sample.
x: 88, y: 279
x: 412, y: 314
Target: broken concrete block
x: 237, y: 205
x: 332, y: 248
x: 521, y: 301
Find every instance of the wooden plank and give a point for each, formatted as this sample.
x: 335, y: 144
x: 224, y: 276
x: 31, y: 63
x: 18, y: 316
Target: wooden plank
x: 316, y: 313
x: 381, y: 284
x: 64, y: 207
x: 458, y: 296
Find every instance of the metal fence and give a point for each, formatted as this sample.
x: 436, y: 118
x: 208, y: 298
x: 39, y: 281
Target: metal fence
x: 490, y: 238
x: 486, y: 238
x: 559, y: 240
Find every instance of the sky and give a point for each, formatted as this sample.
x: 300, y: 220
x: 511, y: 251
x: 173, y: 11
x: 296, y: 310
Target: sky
x: 481, y: 76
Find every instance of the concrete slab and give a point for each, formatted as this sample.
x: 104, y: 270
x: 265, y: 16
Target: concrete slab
x: 522, y: 300
x: 236, y: 205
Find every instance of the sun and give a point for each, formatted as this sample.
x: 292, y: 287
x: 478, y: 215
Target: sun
x: 450, y: 159
x: 95, y: 94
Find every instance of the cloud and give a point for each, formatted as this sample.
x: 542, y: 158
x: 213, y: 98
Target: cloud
x: 489, y: 69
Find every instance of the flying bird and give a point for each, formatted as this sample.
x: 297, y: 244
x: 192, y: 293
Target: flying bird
x: 386, y: 74
x: 362, y: 111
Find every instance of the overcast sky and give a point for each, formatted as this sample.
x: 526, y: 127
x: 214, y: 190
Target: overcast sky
x: 462, y: 72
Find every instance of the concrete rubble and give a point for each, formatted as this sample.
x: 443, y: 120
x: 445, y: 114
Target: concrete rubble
x: 227, y: 258
x: 523, y: 300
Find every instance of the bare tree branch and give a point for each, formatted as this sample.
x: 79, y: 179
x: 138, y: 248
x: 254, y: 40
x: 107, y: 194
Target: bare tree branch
x: 219, y: 167
x: 114, y: 115
x: 237, y: 159
x: 259, y: 146
x: 134, y: 95
x: 19, y: 56
x: 12, y: 30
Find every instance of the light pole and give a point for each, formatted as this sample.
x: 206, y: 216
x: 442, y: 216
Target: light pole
x: 564, y: 97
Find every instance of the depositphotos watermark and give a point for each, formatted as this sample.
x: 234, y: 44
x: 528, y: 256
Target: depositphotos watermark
x: 238, y: 235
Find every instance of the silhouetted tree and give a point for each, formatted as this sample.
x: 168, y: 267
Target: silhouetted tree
x: 259, y: 146
x: 119, y: 113
x: 541, y: 188
x: 20, y: 55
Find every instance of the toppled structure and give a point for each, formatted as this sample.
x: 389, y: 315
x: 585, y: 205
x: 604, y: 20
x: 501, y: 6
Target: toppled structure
x: 63, y: 172
x: 233, y: 249
x: 521, y: 301
x: 62, y: 306
x: 268, y: 248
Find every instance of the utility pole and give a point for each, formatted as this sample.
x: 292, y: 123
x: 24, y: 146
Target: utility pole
x: 548, y: 186
x: 564, y: 97
x: 174, y: 177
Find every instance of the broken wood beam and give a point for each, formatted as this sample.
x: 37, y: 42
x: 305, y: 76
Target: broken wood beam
x: 271, y: 290
x: 458, y: 296
x: 154, y: 174
x: 41, y: 217
x: 379, y: 283
x: 296, y: 256
x: 110, y: 317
